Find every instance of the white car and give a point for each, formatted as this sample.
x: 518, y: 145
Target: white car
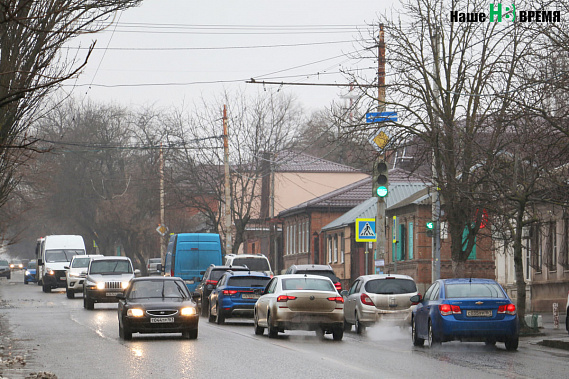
x: 75, y: 280
x: 254, y: 262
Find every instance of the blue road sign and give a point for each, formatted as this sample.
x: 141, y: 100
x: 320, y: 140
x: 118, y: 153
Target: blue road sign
x: 372, y: 117
x: 365, y: 228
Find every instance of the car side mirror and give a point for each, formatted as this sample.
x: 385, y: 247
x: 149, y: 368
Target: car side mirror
x: 137, y: 272
x: 83, y: 273
x: 121, y: 296
x: 344, y: 293
x: 66, y: 267
x: 416, y: 299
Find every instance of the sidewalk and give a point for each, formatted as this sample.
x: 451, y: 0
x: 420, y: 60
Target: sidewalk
x: 549, y: 336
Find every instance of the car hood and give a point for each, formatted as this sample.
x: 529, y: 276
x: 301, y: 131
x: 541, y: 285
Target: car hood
x: 109, y: 277
x: 56, y: 266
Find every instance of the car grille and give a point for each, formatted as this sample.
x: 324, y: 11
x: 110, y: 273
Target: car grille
x: 113, y: 285
x: 162, y: 312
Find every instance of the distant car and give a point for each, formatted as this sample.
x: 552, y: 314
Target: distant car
x: 324, y: 270
x: 236, y: 294
x: 157, y: 304
x: 255, y: 262
x: 76, y: 272
x: 465, y: 309
x: 106, y: 278
x: 16, y: 265
x: 300, y: 302
x: 152, y: 266
x: 5, y: 269
x: 209, y: 281
x: 30, y: 272
x: 381, y: 297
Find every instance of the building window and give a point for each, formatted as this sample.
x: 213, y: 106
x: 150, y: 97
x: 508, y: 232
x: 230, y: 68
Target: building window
x: 564, y: 250
x: 551, y: 248
x: 329, y: 249
x: 535, y: 247
x: 335, y: 248
x: 342, y: 247
x: 410, y: 244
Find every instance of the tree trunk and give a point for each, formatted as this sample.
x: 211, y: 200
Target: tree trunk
x: 519, y: 268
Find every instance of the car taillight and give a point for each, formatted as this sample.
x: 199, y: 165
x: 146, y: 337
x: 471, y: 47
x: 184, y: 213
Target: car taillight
x: 448, y: 309
x: 337, y: 299
x: 229, y: 292
x: 366, y: 300
x: 212, y: 282
x: 338, y: 286
x: 507, y: 308
x: 283, y: 298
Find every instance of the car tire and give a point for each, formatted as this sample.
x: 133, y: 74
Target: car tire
x: 190, y: 334
x: 567, y: 321
x: 9, y: 277
x: 211, y: 317
x: 360, y: 328
x: 347, y: 326
x: 512, y: 343
x: 259, y: 330
x: 273, y: 331
x: 433, y: 341
x: 124, y: 332
x: 70, y: 294
x: 416, y: 340
x: 220, y: 319
x: 338, y: 333
x: 88, y: 303
x: 25, y: 281
x: 204, y: 307
x: 46, y: 289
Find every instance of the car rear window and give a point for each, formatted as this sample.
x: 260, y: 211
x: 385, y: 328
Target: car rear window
x: 155, y: 260
x: 470, y: 290
x: 310, y: 284
x: 248, y: 281
x: 390, y: 286
x: 254, y: 264
x: 327, y: 274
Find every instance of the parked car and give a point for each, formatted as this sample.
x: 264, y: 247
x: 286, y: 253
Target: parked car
x: 5, y: 269
x: 255, y: 262
x: 30, y: 272
x: 157, y: 304
x: 236, y: 294
x: 209, y: 281
x: 381, y: 297
x: 75, y: 274
x: 106, y: 278
x: 302, y: 302
x: 324, y: 270
x: 154, y: 266
x: 465, y: 309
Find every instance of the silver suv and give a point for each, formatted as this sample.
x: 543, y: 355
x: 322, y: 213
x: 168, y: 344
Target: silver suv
x: 105, y: 279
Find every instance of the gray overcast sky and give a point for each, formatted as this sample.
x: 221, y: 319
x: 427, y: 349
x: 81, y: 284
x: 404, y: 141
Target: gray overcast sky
x: 135, y: 51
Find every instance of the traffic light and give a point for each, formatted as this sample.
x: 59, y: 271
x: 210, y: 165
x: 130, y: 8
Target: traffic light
x: 380, y: 178
x: 430, y: 225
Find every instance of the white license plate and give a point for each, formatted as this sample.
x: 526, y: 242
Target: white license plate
x: 159, y: 320
x: 479, y: 313
x: 189, y: 282
x: 63, y: 278
x: 113, y: 293
x: 249, y: 296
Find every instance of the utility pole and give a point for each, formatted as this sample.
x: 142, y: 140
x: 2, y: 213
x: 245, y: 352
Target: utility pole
x: 228, y: 243
x: 162, y: 221
x: 435, y: 198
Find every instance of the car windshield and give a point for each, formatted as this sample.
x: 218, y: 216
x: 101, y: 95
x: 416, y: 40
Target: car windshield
x: 110, y: 267
x: 81, y: 262
x: 328, y: 274
x: 390, y: 286
x: 310, y: 284
x: 248, y: 281
x: 254, y: 264
x: 473, y: 290
x: 158, y: 289
x: 62, y: 255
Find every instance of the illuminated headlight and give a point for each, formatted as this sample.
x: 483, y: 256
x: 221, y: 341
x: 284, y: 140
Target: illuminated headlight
x: 101, y: 285
x: 11, y: 265
x: 28, y: 273
x: 20, y: 266
x: 49, y: 271
x: 124, y: 285
x: 189, y: 311
x: 135, y: 312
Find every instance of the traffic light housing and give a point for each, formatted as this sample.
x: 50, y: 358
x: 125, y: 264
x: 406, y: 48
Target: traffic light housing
x: 380, y: 178
x: 430, y: 225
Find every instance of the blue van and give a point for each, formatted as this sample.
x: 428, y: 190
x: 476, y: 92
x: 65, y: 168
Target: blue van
x: 190, y: 254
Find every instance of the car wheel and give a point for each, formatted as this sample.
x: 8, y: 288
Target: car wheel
x: 25, y: 281
x: 273, y: 331
x: 360, y: 328
x: 88, y: 303
x: 259, y: 330
x: 46, y: 289
x: 416, y: 340
x: 124, y: 332
x: 567, y: 321
x: 338, y: 333
x: 347, y: 326
x: 190, y: 334
x: 70, y: 294
x: 512, y: 343
x: 220, y: 319
x: 204, y: 307
x: 432, y: 339
x: 211, y: 317
x: 9, y: 277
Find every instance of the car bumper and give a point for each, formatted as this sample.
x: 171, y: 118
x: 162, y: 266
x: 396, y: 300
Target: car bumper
x: 144, y: 325
x: 104, y: 295
x: 287, y: 319
x: 75, y: 284
x: 243, y: 309
x: 55, y: 281
x: 30, y: 278
x: 372, y: 315
x: 451, y: 328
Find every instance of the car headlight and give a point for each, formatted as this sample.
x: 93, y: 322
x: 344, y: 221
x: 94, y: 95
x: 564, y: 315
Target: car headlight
x: 135, y: 312
x: 49, y: 271
x: 188, y: 311
x: 20, y: 266
x: 124, y: 285
x: 12, y: 265
x: 28, y: 273
x: 101, y: 285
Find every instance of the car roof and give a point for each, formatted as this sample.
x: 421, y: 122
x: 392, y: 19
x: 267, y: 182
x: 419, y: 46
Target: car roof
x: 247, y: 273
x: 151, y: 278
x: 110, y: 258
x: 467, y: 280
x: 312, y: 267
x: 287, y: 276
x: 245, y: 256
x: 87, y: 256
x: 230, y: 267
x: 385, y: 276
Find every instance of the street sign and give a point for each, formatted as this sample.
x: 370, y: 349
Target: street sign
x: 162, y: 230
x: 380, y: 140
x: 372, y: 117
x: 365, y: 228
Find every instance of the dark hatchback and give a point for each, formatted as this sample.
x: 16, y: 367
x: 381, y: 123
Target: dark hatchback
x: 157, y: 305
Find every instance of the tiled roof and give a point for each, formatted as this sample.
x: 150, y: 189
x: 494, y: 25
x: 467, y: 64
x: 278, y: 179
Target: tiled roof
x: 291, y: 161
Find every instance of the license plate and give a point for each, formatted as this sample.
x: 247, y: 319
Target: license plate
x: 159, y: 320
x: 63, y: 278
x: 113, y: 293
x: 250, y: 296
x: 479, y: 313
x: 189, y: 282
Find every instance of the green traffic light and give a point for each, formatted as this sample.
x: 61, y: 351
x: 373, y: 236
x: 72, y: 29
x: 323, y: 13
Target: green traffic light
x: 430, y: 225
x: 381, y: 191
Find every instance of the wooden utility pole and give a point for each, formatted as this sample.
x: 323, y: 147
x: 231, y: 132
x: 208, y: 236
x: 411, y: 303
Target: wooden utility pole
x: 435, y: 198
x: 228, y: 243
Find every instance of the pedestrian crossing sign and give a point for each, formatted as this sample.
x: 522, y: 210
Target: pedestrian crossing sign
x: 365, y: 230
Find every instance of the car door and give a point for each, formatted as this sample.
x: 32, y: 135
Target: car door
x: 351, y: 302
x: 422, y: 311
x: 263, y: 303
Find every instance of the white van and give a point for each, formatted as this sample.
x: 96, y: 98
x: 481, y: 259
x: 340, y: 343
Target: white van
x: 53, y: 253
x: 254, y: 262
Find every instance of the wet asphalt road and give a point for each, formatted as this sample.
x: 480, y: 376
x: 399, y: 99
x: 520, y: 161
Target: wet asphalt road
x: 55, y: 334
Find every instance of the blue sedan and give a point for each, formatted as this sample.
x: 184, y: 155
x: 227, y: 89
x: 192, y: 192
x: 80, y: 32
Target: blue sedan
x: 465, y: 310
x: 30, y: 273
